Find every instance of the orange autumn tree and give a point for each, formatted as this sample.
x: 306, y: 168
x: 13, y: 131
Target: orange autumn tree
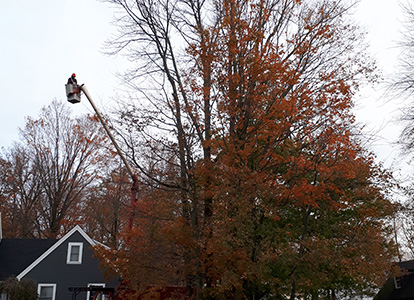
x: 255, y: 184
x: 106, y: 206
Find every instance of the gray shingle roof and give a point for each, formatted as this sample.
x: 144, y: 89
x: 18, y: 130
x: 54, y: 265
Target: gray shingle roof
x: 406, y: 292
x: 17, y: 254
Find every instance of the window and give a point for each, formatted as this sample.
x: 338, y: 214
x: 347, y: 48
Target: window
x: 397, y: 282
x: 46, y: 291
x: 3, y: 297
x: 74, y: 253
x: 99, y: 297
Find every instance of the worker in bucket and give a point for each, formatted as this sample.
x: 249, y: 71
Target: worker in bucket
x: 72, y: 79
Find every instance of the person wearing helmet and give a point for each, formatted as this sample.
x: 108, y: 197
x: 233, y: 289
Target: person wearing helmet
x: 73, y: 91
x: 72, y: 79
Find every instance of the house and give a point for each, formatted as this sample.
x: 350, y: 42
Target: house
x: 55, y: 265
x: 399, y: 288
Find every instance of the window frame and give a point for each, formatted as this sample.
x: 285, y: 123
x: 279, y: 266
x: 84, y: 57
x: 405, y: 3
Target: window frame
x: 53, y: 285
x: 397, y: 282
x: 68, y: 257
x: 88, y: 293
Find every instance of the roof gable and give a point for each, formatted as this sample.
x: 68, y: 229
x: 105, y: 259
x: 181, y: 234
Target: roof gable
x: 77, y: 228
x: 406, y: 289
x: 17, y: 254
x: 408, y: 265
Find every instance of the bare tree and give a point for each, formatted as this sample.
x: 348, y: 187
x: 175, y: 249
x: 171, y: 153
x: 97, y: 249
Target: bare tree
x: 107, y: 207
x: 403, y: 82
x: 401, y: 88
x: 22, y: 191
x: 50, y: 169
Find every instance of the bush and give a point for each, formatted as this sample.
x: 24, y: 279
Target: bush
x: 24, y: 289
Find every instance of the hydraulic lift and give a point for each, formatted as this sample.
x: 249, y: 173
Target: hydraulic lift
x: 73, y: 93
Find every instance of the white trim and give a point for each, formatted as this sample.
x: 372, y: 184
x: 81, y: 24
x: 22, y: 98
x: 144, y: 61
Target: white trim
x: 102, y: 245
x: 88, y: 293
x: 397, y: 282
x: 77, y: 228
x: 69, y: 254
x: 40, y: 285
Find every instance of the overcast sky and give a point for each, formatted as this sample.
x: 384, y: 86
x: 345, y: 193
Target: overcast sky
x: 43, y: 42
x: 383, y: 20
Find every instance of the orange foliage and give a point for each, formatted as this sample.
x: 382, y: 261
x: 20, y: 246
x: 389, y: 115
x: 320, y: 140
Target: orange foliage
x: 263, y: 189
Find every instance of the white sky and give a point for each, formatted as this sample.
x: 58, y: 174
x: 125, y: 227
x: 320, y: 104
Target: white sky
x: 383, y: 21
x: 43, y: 42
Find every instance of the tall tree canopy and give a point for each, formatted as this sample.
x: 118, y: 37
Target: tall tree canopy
x: 402, y: 83
x: 48, y: 171
x: 401, y: 88
x: 106, y: 207
x: 254, y: 185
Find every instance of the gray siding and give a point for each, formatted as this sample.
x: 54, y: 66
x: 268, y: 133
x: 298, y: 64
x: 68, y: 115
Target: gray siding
x: 54, y: 269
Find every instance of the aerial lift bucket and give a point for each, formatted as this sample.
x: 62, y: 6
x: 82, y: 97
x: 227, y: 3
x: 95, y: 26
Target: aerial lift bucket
x: 73, y: 93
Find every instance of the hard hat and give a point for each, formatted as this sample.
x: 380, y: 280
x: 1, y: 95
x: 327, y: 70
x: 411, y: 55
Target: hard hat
x: 73, y: 75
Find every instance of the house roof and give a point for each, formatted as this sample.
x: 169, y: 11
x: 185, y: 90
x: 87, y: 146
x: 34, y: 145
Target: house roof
x: 406, y: 292
x: 17, y: 254
x: 408, y: 265
x: 77, y: 228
